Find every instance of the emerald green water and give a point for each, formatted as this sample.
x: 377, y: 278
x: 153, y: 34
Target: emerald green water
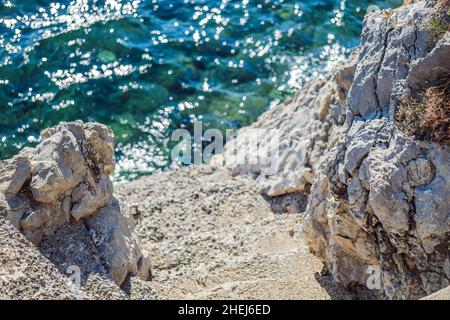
x: 148, y: 67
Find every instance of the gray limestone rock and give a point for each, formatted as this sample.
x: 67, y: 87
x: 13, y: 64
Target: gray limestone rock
x: 380, y: 199
x: 65, y: 180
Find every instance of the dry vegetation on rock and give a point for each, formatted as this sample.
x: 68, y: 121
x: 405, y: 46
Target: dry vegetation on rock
x: 428, y: 116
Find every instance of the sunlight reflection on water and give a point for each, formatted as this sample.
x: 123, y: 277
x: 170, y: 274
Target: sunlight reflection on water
x: 148, y: 67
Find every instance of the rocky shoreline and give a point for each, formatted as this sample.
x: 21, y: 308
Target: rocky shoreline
x: 369, y: 198
x: 377, y: 196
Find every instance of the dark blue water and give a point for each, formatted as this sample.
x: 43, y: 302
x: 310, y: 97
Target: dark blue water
x: 148, y: 67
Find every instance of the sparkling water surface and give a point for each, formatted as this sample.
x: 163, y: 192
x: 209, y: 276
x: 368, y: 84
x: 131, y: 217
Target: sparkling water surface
x: 148, y: 67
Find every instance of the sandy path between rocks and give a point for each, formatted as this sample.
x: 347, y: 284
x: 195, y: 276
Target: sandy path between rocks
x: 212, y: 235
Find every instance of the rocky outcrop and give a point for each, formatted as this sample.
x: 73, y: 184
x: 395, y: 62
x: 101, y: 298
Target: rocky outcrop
x: 377, y: 200
x: 60, y: 197
x: 26, y: 274
x: 379, y: 207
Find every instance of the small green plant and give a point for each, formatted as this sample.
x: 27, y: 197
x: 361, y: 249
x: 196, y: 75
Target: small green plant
x: 436, y: 26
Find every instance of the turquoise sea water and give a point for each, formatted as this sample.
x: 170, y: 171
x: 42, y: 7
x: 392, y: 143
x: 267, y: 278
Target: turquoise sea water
x: 148, y: 67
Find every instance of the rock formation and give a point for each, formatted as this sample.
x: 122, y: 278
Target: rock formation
x: 376, y: 196
x: 378, y: 199
x: 381, y: 199
x: 61, y: 190
x: 25, y: 273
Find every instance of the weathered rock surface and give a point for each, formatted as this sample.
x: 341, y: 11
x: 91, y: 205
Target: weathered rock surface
x: 377, y: 201
x: 60, y: 197
x: 375, y: 198
x: 26, y: 274
x: 381, y: 200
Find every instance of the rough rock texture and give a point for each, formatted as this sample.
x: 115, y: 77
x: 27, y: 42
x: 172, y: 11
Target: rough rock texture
x: 61, y: 190
x: 306, y: 125
x: 443, y: 294
x: 381, y: 199
x: 26, y: 274
x: 377, y: 199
